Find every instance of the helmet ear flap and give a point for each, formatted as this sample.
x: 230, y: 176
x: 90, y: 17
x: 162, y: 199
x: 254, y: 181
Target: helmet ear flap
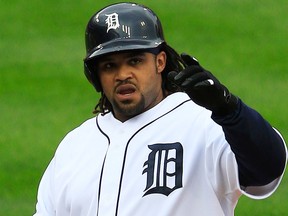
x: 92, y: 77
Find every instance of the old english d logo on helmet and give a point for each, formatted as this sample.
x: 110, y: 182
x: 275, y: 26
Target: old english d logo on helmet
x: 112, y: 21
x: 120, y: 27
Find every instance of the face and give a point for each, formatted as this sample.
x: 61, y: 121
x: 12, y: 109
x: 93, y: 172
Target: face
x: 132, y: 81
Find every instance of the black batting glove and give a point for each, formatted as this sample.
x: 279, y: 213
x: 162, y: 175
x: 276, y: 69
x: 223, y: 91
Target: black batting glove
x: 203, y: 88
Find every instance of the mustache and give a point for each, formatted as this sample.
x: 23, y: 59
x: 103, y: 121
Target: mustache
x: 123, y: 82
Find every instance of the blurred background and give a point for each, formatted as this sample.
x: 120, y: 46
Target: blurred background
x: 44, y: 93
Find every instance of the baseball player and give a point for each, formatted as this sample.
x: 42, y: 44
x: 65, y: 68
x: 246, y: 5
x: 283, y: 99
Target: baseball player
x: 168, y: 139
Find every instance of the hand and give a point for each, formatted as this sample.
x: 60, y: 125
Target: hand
x: 203, y: 88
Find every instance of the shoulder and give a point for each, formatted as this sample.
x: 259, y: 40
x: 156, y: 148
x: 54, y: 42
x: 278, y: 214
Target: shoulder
x: 79, y: 136
x: 86, y: 127
x: 181, y: 105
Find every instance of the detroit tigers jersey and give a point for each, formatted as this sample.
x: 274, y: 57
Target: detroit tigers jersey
x: 172, y: 160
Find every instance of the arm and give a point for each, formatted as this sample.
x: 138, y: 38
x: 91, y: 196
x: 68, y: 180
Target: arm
x: 259, y: 150
x: 45, y: 203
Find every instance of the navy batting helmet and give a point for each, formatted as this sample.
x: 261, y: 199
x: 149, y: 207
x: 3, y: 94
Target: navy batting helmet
x: 120, y: 27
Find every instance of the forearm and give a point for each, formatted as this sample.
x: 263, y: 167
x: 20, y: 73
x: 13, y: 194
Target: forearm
x: 258, y: 148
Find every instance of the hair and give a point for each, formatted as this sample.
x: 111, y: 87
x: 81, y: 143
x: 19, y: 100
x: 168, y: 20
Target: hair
x: 173, y: 63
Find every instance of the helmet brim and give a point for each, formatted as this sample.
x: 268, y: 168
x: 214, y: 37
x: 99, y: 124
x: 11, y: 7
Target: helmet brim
x: 122, y: 45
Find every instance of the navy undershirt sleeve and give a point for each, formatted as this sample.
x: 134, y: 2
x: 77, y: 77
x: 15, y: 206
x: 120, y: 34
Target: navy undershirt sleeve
x: 258, y: 148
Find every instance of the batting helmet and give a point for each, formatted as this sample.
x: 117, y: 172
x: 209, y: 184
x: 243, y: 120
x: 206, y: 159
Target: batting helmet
x: 120, y: 27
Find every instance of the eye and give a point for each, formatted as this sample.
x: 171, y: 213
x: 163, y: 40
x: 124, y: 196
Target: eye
x: 135, y: 60
x: 107, y: 66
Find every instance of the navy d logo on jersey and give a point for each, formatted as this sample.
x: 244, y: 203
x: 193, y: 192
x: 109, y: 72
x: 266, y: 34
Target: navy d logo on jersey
x: 164, y: 168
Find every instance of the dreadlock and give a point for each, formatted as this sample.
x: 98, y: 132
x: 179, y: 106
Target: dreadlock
x: 173, y: 63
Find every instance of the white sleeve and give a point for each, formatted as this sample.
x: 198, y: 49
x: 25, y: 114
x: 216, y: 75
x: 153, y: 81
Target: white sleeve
x: 45, y: 202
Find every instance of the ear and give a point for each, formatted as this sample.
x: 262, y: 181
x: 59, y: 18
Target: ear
x: 161, y: 61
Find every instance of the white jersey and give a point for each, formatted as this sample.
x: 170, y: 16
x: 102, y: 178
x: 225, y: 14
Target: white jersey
x: 172, y: 160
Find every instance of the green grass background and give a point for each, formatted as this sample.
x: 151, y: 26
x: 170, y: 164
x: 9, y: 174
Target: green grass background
x: 44, y: 94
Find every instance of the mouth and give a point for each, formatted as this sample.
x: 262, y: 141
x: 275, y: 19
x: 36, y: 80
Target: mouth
x: 125, y: 91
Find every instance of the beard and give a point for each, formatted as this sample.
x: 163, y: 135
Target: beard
x: 129, y: 108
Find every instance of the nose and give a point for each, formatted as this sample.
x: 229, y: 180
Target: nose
x: 124, y: 73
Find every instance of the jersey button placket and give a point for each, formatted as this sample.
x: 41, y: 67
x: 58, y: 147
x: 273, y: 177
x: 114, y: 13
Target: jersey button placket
x: 112, y: 173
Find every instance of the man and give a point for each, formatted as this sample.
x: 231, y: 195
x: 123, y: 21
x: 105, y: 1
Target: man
x: 169, y: 138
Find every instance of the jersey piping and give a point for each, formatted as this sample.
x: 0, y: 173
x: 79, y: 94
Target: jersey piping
x: 100, y: 181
